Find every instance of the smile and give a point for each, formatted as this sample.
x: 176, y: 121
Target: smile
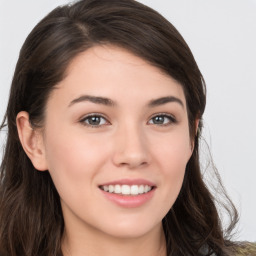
x: 127, y: 189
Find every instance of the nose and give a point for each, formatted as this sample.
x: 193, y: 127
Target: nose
x: 130, y: 148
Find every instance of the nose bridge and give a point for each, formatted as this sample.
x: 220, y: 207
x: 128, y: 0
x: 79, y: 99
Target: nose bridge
x: 130, y: 146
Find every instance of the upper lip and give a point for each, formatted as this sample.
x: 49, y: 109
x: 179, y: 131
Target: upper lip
x: 129, y: 182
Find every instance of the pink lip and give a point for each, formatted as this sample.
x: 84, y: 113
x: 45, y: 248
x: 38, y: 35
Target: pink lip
x: 129, y: 201
x: 129, y: 182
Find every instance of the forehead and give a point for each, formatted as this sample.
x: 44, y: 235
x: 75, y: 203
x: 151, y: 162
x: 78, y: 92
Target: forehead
x: 114, y: 72
x: 103, y: 57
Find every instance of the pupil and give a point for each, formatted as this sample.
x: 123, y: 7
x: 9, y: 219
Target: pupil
x: 158, y: 119
x: 94, y: 120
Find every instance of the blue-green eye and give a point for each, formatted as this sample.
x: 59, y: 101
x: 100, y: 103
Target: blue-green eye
x: 94, y: 120
x: 162, y: 119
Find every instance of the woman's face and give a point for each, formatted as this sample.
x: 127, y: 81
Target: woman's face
x: 116, y: 142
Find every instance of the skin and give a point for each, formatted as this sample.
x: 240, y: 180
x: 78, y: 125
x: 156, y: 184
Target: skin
x: 128, y: 142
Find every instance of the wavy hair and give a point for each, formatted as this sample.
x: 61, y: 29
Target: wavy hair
x: 31, y: 220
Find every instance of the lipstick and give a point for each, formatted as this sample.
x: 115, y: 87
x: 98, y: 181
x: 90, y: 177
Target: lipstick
x: 128, y: 193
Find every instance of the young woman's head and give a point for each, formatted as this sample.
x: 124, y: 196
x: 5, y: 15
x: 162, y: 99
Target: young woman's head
x: 106, y: 99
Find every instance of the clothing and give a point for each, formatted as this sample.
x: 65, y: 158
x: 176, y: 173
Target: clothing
x: 246, y: 249
x: 239, y: 249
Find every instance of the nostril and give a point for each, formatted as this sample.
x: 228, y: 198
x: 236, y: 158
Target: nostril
x: 133, y: 164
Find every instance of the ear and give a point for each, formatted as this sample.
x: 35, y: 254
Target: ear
x: 196, y: 130
x: 32, y: 141
x: 196, y: 125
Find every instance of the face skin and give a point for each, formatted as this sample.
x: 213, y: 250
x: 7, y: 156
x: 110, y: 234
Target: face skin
x: 134, y: 136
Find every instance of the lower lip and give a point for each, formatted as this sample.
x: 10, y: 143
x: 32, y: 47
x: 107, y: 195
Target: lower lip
x: 129, y: 201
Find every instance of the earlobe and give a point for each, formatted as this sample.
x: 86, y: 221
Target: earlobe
x: 196, y: 127
x: 32, y: 141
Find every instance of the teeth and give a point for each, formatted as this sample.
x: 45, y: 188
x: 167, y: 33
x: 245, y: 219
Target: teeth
x: 134, y: 190
x: 127, y: 189
x: 111, y: 188
x: 117, y: 189
x: 141, y: 189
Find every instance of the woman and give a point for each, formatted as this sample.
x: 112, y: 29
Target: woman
x: 104, y: 120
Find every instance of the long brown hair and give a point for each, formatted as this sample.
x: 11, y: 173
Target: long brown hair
x: 31, y: 221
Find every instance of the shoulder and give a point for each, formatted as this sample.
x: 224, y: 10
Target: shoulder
x: 246, y: 249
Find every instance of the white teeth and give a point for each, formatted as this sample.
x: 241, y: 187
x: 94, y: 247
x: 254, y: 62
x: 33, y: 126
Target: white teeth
x: 141, y: 189
x: 147, y: 188
x: 117, y: 189
x: 127, y: 189
x: 134, y: 190
x: 111, y: 188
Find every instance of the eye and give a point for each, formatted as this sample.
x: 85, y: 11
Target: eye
x: 162, y: 119
x: 94, y: 120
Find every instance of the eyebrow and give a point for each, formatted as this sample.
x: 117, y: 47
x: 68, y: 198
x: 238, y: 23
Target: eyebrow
x: 93, y: 99
x: 111, y: 103
x: 164, y: 100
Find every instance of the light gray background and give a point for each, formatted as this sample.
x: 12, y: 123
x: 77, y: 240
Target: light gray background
x: 222, y: 36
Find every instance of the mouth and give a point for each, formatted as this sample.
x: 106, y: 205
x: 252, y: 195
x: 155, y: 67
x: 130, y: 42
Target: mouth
x: 128, y: 193
x: 127, y: 190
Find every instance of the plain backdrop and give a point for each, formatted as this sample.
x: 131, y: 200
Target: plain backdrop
x: 222, y: 37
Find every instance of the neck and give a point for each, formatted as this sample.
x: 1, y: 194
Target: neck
x: 95, y: 244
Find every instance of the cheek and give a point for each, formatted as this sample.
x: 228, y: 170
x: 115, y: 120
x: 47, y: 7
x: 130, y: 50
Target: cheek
x: 172, y: 158
x: 174, y: 151
x: 73, y: 160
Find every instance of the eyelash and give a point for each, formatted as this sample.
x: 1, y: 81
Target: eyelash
x: 85, y: 121
x: 171, y: 119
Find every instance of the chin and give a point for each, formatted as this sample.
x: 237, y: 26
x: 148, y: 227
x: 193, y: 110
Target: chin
x: 128, y: 229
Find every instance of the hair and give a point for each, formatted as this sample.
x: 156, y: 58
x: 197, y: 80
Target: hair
x: 31, y: 220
